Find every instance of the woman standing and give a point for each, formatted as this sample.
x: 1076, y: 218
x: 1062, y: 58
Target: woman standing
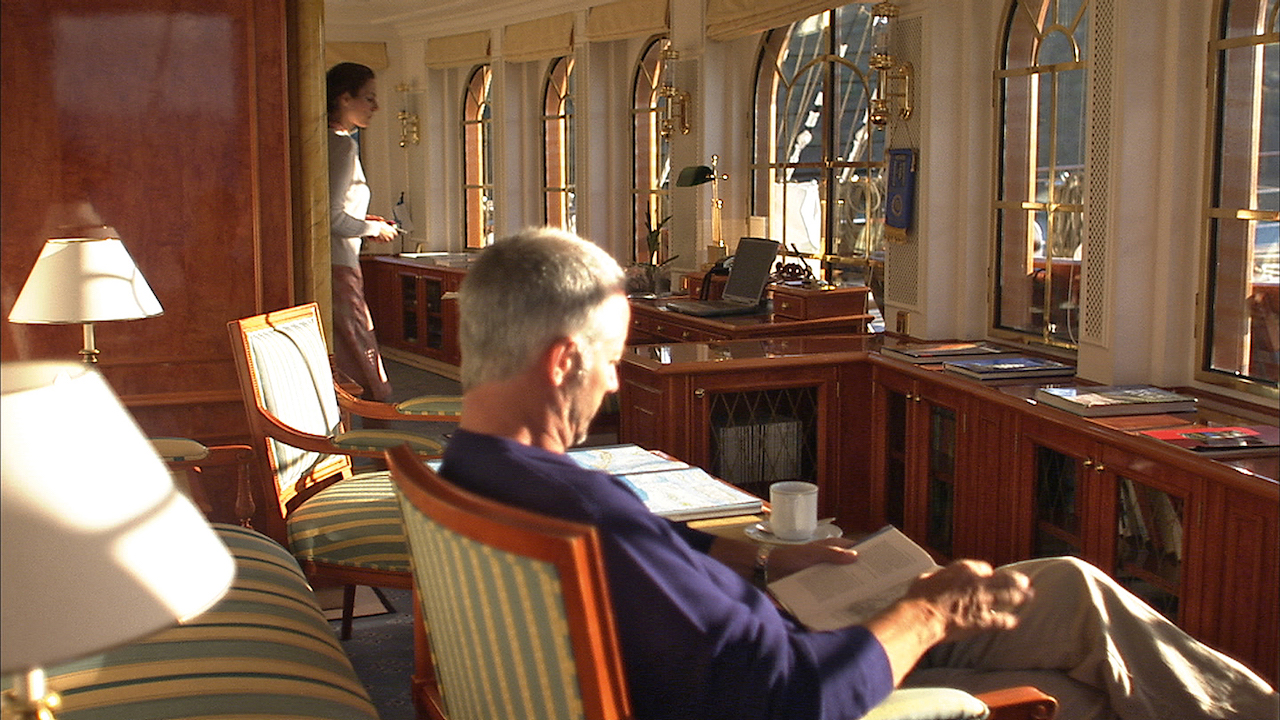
x: 353, y: 98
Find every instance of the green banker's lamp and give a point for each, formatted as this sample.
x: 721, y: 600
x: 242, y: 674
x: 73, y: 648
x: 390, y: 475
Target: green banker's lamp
x: 699, y: 175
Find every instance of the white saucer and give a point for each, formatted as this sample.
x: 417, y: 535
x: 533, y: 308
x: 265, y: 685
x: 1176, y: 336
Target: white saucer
x: 760, y: 532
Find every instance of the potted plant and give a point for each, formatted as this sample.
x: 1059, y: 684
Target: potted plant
x: 651, y: 278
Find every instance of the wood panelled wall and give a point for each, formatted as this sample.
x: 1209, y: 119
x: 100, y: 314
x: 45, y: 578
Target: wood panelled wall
x: 172, y: 118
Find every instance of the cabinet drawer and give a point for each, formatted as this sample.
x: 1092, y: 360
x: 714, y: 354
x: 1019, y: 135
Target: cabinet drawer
x: 805, y: 304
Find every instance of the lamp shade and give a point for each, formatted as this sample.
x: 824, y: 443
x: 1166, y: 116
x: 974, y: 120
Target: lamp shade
x: 695, y: 175
x: 97, y: 546
x: 84, y: 280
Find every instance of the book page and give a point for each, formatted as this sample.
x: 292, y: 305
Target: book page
x: 622, y: 459
x: 689, y: 492
x: 827, y: 597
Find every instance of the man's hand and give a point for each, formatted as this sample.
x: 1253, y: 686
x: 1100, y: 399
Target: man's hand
x: 787, y: 559
x: 971, y: 597
x: 960, y: 600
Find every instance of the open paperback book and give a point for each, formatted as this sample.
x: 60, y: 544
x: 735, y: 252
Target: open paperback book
x: 827, y: 597
x: 669, y: 488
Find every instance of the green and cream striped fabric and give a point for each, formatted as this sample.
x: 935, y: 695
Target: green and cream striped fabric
x: 354, y: 523
x: 264, y: 652
x: 382, y: 439
x: 499, y: 636
x: 291, y: 362
x: 447, y: 405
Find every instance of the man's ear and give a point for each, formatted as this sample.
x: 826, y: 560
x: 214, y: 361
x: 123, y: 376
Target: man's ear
x: 562, y: 360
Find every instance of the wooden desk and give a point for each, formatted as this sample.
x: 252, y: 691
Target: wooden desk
x: 652, y: 322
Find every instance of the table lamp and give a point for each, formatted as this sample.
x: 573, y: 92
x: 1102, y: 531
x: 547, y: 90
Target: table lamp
x: 97, y: 547
x: 84, y: 275
x: 697, y: 175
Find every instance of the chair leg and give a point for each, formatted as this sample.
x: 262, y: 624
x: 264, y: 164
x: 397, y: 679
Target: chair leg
x: 348, y: 609
x: 382, y: 597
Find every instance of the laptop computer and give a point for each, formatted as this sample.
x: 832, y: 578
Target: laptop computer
x: 752, y: 263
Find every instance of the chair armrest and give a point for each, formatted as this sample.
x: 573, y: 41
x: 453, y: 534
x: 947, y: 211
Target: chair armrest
x: 933, y: 703
x: 1020, y: 703
x: 428, y: 408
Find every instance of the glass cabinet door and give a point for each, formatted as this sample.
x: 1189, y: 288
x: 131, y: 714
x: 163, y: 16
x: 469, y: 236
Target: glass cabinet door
x: 1058, y: 527
x: 410, y: 309
x: 1149, y: 543
x: 940, y: 478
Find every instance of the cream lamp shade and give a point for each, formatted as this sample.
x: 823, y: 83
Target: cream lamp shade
x: 84, y: 280
x: 97, y: 547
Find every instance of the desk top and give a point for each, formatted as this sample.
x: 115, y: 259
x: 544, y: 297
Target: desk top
x: 687, y: 357
x: 737, y: 326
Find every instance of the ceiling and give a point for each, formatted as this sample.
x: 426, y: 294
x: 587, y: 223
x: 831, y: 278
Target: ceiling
x: 443, y: 17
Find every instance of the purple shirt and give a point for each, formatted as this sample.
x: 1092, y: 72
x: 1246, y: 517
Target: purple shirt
x: 698, y: 641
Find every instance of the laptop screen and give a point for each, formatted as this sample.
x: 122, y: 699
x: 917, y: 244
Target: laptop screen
x: 752, y: 262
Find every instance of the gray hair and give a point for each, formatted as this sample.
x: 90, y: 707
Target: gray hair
x: 526, y: 291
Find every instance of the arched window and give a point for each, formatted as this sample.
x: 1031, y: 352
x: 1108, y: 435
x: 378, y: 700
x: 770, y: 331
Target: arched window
x: 652, y: 165
x: 1039, y: 208
x: 557, y: 143
x: 477, y: 159
x: 818, y: 160
x: 1241, y: 309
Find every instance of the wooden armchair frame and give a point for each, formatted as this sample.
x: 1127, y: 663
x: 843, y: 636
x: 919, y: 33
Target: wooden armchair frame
x: 295, y: 464
x: 572, y: 548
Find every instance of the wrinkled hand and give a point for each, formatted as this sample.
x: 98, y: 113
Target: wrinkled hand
x: 787, y: 559
x: 972, y: 598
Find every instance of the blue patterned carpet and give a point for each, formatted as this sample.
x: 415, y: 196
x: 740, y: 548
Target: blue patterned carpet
x: 381, y: 647
x: 381, y: 650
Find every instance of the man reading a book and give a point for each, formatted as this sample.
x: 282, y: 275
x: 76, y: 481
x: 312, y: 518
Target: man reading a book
x: 544, y: 321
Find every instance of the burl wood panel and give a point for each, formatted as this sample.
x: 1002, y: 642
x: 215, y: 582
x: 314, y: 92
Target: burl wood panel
x: 171, y: 118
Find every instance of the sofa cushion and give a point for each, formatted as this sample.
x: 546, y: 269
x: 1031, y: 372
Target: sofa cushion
x: 263, y: 651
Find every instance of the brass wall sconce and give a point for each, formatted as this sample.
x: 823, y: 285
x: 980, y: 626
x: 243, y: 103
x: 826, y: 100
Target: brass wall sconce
x: 408, y: 120
x: 893, y: 77
x: 677, y: 111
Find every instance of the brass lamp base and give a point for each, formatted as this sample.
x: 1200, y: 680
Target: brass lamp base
x: 29, y: 699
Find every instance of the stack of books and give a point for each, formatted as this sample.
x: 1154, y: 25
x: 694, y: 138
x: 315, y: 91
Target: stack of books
x: 1008, y: 368
x: 939, y: 352
x: 1222, y: 442
x: 1108, y: 400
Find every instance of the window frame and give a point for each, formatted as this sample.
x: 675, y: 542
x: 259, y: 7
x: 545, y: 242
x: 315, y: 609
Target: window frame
x: 1060, y: 277
x: 836, y: 128
x: 558, y: 136
x: 651, y: 160
x: 1227, y: 267
x: 477, y: 158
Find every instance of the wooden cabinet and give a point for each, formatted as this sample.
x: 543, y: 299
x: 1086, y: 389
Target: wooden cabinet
x: 970, y: 470
x: 1135, y: 518
x: 936, y: 462
x: 411, y: 305
x: 751, y: 411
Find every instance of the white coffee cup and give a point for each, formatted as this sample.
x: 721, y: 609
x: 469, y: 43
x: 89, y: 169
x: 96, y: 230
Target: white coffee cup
x: 794, y: 510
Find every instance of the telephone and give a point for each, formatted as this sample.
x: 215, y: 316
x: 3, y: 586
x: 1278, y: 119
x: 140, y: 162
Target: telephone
x: 722, y: 267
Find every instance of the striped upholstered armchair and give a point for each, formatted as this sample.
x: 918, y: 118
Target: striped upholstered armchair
x: 521, y: 625
x: 343, y: 527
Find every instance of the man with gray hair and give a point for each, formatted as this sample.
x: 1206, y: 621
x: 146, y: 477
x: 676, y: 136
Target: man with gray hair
x: 544, y: 321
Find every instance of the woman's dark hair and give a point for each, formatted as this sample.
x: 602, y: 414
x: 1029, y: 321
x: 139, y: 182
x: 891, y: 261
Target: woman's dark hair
x: 347, y: 78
